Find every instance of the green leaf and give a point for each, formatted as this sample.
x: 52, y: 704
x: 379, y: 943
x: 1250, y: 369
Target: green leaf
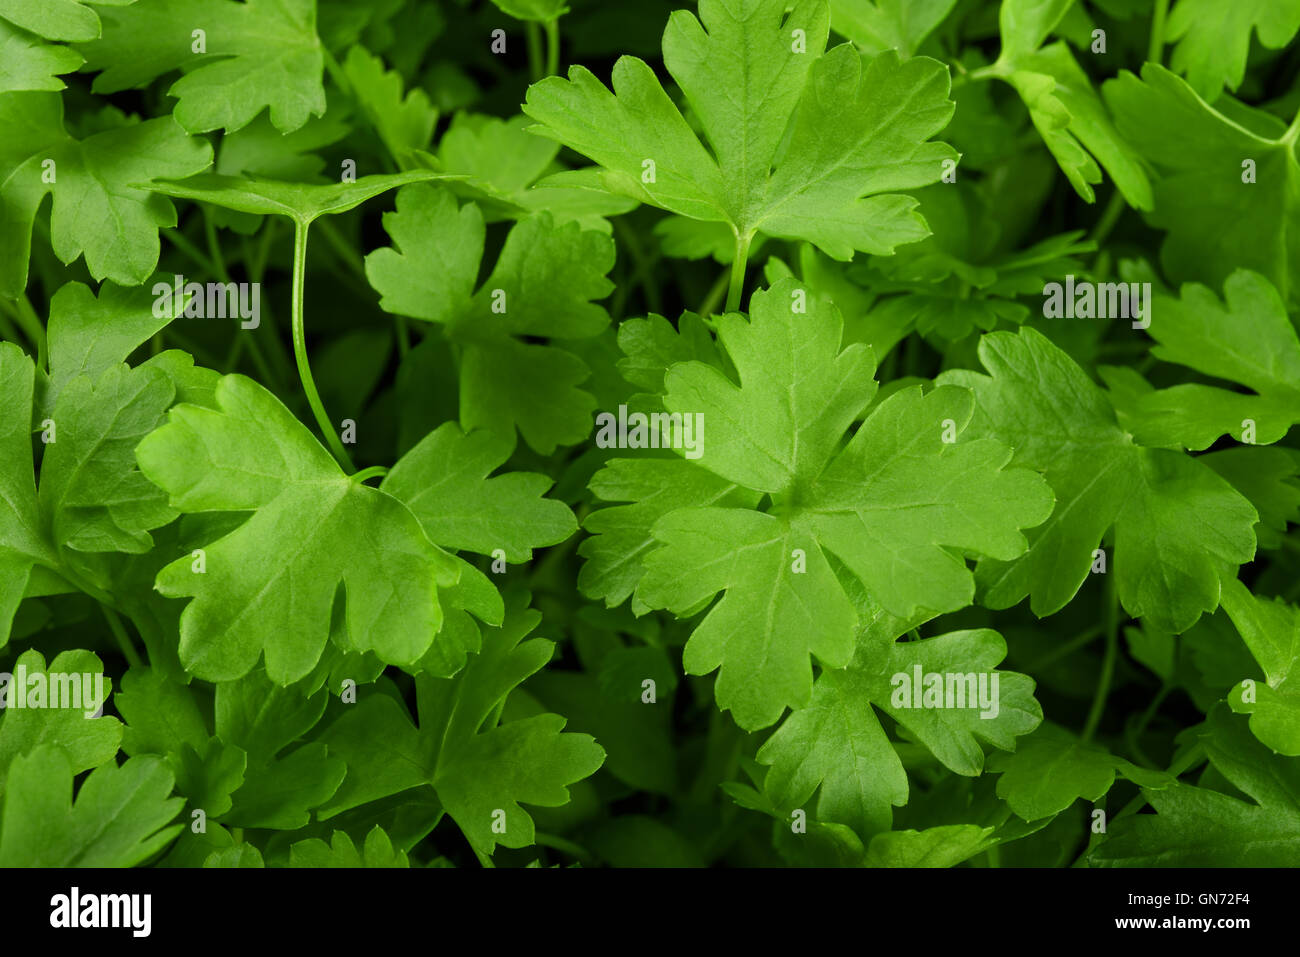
x: 1246, y: 338
x: 621, y: 536
x: 543, y: 285
x: 1212, y: 40
x: 858, y: 129
x: 27, y: 63
x: 481, y: 771
x: 1178, y: 526
x: 1062, y: 104
x: 1258, y: 825
x: 890, y: 505
x: 85, y: 742
x: 70, y: 20
x: 238, y: 855
x: 341, y: 852
x: 444, y: 482
x: 837, y: 744
x: 1051, y: 769
x: 96, y: 211
x: 1271, y: 630
x: 280, y: 786
x: 23, y: 543
x: 879, y: 25
x: 1217, y: 222
x: 945, y: 846
x: 251, y: 455
x: 503, y: 163
x: 304, y: 203
x: 120, y: 819
x: 256, y: 55
x: 541, y: 11
x: 91, y: 498
x: 404, y: 124
x: 163, y: 718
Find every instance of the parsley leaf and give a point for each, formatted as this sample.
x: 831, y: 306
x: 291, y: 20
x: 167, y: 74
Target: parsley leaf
x: 97, y: 210
x: 858, y: 129
x: 1246, y: 338
x: 1217, y: 220
x: 256, y: 55
x: 1257, y: 826
x: 120, y: 818
x: 779, y: 432
x: 249, y: 454
x: 1039, y: 402
x: 480, y: 771
x: 544, y: 284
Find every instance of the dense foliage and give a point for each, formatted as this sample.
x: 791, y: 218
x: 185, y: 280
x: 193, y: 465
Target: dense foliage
x: 835, y: 432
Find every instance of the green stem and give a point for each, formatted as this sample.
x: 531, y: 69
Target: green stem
x: 1156, y: 50
x: 1107, y: 663
x: 1074, y: 644
x: 223, y: 273
x: 1194, y: 756
x: 1110, y: 216
x: 123, y: 639
x: 192, y: 252
x: 714, y: 297
x: 32, y: 328
x: 335, y: 70
x: 535, y: 60
x: 1135, y: 731
x: 7, y: 328
x: 365, y: 475
x: 343, y: 250
x: 721, y: 756
x: 576, y: 851
x: 300, y: 349
x: 214, y: 247
x: 1292, y: 132
x: 644, y: 266
x: 552, y: 28
x: 738, y: 271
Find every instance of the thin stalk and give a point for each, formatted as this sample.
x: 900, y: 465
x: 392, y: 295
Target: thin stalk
x: 714, y: 297
x: 223, y: 274
x: 300, y: 349
x: 1085, y: 637
x: 643, y: 266
x: 255, y: 266
x: 1107, y: 662
x: 552, y: 28
x: 123, y: 639
x: 738, y: 272
x: 191, y: 252
x: 7, y: 328
x: 1155, y: 51
x: 32, y: 328
x: 1115, y: 207
x: 535, y: 59
x: 1134, y: 733
x: 403, y: 336
x: 335, y: 70
x: 365, y: 475
x: 344, y: 251
x: 562, y: 844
